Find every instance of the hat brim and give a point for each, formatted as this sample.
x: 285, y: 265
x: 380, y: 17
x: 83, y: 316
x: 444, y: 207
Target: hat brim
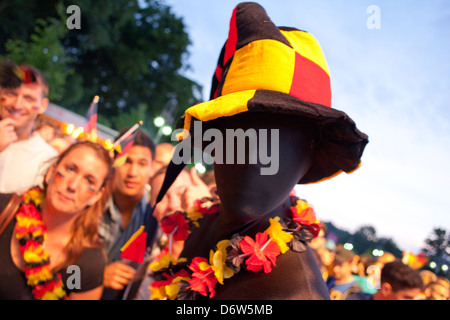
x: 340, y: 146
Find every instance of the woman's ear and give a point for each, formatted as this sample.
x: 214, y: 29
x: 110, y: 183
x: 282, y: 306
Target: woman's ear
x: 50, y: 173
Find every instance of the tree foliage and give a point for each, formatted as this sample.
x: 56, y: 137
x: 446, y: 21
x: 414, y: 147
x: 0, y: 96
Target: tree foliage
x: 437, y: 249
x: 45, y: 51
x: 438, y: 244
x: 129, y: 52
x: 365, y: 240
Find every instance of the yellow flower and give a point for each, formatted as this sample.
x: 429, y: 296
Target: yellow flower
x: 43, y: 275
x: 194, y: 215
x: 169, y: 291
x: 157, y: 293
x: 35, y: 255
x: 27, y: 222
x: 275, y: 231
x: 217, y: 260
x: 36, y: 196
x: 164, y: 262
x: 56, y: 294
x: 173, y: 288
x: 301, y: 205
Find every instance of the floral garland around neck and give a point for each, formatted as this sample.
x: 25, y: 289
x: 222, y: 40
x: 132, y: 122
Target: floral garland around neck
x: 31, y: 233
x: 176, y: 279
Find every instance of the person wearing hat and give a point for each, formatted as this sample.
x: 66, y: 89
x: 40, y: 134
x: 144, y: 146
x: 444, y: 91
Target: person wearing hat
x: 275, y: 80
x: 342, y: 284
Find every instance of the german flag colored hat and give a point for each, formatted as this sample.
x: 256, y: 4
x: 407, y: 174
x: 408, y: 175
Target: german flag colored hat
x: 263, y: 68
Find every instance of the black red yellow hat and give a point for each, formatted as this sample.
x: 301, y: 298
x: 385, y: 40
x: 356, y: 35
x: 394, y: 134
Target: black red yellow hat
x: 13, y: 75
x: 263, y: 68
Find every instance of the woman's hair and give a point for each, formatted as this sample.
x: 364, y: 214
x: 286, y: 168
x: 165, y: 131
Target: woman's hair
x: 85, y: 231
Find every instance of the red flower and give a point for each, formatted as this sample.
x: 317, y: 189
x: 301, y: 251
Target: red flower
x: 35, y: 230
x: 203, y: 278
x: 176, y: 224
x: 29, y: 211
x: 52, y: 289
x: 306, y: 216
x: 262, y: 252
x: 33, y: 246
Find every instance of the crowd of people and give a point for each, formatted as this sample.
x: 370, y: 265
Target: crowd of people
x: 90, y: 210
x: 365, y: 277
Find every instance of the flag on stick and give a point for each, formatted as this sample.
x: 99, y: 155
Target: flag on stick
x: 135, y: 247
x: 144, y: 237
x: 123, y: 145
x: 90, y: 127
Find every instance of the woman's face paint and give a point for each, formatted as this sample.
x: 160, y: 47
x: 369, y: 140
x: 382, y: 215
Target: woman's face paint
x: 90, y: 191
x: 59, y: 176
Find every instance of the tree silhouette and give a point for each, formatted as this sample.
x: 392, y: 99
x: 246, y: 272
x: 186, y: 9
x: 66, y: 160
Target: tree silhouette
x: 437, y: 249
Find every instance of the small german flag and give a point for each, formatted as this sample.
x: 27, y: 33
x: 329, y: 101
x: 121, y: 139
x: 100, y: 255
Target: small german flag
x: 122, y: 150
x: 135, y: 247
x: 90, y: 128
x: 124, y: 144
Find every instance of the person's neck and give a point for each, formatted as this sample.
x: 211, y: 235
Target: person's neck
x: 24, y: 133
x: 224, y: 225
x: 125, y: 204
x: 228, y: 223
x: 59, y: 226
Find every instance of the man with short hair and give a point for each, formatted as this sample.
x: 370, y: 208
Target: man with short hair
x: 24, y: 158
x: 127, y: 210
x: 398, y: 282
x: 342, y: 284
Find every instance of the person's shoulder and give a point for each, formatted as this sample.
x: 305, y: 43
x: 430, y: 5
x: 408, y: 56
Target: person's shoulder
x: 41, y: 143
x: 37, y: 146
x: 93, y: 259
x: 92, y: 252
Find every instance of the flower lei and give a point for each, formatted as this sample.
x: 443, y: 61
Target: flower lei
x: 176, y: 279
x: 31, y: 233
